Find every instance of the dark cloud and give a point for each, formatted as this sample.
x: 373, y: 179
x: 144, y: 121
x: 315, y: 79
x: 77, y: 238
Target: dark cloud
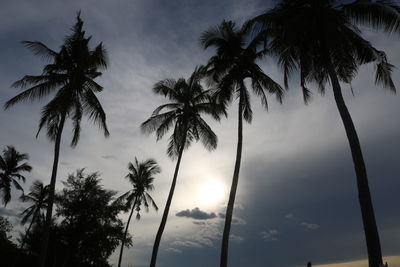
x: 9, y: 213
x: 197, y: 214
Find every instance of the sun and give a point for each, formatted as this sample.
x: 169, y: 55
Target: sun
x: 211, y: 193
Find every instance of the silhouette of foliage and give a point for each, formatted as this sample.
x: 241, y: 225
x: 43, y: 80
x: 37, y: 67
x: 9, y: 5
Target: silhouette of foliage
x: 141, y: 176
x: 10, y: 171
x: 70, y: 77
x: 38, y: 196
x: 89, y: 224
x: 184, y: 115
x: 234, y: 62
x: 322, y: 41
x: 7, y: 247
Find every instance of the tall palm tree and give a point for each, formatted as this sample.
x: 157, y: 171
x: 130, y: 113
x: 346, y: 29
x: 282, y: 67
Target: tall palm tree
x: 234, y: 62
x: 189, y: 102
x: 321, y: 40
x: 141, y: 176
x: 70, y: 76
x: 10, y: 171
x: 38, y: 196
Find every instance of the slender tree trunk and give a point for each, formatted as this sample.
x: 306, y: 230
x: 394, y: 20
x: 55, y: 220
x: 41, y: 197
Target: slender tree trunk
x: 232, y: 194
x: 47, y: 225
x: 364, y: 195
x: 27, y: 231
x: 126, y: 232
x: 167, y: 206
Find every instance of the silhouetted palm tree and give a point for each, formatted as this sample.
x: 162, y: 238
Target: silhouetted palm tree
x: 234, y: 62
x: 141, y: 176
x: 10, y: 171
x: 320, y: 40
x: 38, y: 196
x: 189, y: 102
x: 70, y: 75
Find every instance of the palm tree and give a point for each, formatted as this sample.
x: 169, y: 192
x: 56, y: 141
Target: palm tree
x: 234, y: 62
x: 38, y: 196
x: 70, y: 75
x: 320, y: 39
x: 141, y: 176
x: 10, y: 171
x: 189, y: 102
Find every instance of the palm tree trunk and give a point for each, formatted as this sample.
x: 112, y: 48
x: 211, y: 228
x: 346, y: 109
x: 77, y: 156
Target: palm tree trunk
x: 167, y: 206
x: 232, y: 194
x: 126, y: 232
x: 27, y: 231
x: 47, y: 225
x: 364, y: 195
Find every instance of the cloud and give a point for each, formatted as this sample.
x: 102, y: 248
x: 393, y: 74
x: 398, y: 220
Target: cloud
x: 236, y: 238
x: 8, y: 213
x: 310, y: 226
x: 173, y: 250
x: 187, y: 243
x: 270, y: 235
x: 289, y: 216
x: 197, y: 214
x: 235, y: 220
x: 109, y: 157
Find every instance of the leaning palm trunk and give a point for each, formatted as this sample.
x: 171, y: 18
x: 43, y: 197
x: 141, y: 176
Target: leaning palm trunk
x: 167, y: 206
x: 29, y: 228
x: 126, y: 232
x: 232, y: 194
x: 47, y: 225
x: 364, y: 195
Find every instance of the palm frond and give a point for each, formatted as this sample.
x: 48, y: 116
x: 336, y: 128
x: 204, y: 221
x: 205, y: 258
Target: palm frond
x: 94, y: 110
x: 381, y: 14
x: 40, y: 49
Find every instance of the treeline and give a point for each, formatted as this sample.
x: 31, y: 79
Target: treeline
x: 85, y: 228
x: 320, y: 40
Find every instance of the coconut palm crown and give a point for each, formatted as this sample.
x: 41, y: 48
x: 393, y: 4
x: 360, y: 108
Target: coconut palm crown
x: 11, y: 167
x: 70, y: 78
x: 322, y: 41
x: 38, y: 197
x: 141, y: 176
x: 235, y: 62
x: 189, y: 101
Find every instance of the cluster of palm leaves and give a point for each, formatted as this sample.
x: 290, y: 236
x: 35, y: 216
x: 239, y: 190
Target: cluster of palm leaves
x: 321, y: 40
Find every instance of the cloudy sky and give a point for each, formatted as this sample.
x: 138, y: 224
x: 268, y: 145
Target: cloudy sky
x: 297, y: 198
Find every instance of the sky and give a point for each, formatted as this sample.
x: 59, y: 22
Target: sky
x: 297, y: 198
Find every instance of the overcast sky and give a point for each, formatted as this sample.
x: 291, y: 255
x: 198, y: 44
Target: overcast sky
x: 297, y: 198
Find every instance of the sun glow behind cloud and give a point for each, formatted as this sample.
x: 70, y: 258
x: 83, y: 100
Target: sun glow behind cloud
x: 211, y: 193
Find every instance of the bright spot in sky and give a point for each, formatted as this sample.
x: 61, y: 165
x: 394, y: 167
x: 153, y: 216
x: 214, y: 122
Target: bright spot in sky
x: 211, y: 192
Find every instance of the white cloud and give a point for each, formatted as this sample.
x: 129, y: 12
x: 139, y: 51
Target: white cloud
x: 236, y: 238
x: 310, y: 226
x: 173, y: 250
x: 186, y: 244
x: 270, y: 235
x: 289, y: 216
